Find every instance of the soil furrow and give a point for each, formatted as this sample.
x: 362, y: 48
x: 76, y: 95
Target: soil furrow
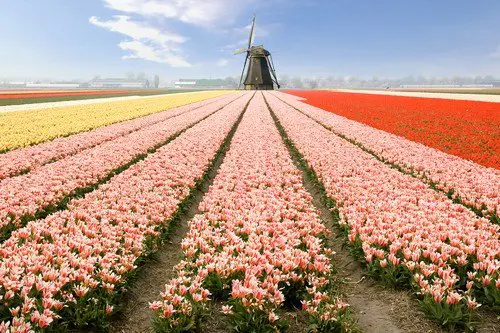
x: 432, y: 185
x: 377, y: 309
x: 55, y: 159
x: 80, y: 192
x: 134, y: 316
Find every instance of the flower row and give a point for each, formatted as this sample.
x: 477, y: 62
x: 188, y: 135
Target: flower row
x: 473, y: 184
x: 23, y: 196
x: 256, y: 243
x: 26, y: 159
x: 26, y: 128
x: 405, y: 231
x: 28, y: 94
x: 468, y: 129
x: 73, y: 264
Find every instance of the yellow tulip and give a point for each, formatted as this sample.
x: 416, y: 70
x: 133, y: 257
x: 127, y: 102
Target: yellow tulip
x: 30, y: 127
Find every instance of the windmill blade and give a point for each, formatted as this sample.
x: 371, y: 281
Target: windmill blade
x: 243, y: 71
x: 270, y: 63
x: 240, y: 51
x: 252, y: 33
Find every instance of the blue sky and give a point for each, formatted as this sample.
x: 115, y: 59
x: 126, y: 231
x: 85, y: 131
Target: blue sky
x: 65, y: 39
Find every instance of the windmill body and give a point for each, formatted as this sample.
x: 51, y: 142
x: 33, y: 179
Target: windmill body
x: 260, y: 73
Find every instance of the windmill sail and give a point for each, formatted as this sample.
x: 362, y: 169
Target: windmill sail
x: 251, y: 37
x: 240, y: 51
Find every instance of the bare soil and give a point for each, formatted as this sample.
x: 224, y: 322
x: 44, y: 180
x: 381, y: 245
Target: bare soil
x: 134, y: 315
x: 376, y: 309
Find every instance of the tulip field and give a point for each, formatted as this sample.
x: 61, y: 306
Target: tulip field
x: 26, y: 128
x: 21, y: 94
x: 468, y: 129
x: 25, y: 96
x: 90, y: 193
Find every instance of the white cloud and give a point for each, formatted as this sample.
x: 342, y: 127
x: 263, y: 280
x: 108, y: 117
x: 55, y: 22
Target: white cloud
x: 197, y: 12
x: 232, y: 47
x: 151, y: 43
x: 141, y: 50
x: 260, y: 31
x: 136, y: 30
x: 222, y: 62
x: 148, y: 43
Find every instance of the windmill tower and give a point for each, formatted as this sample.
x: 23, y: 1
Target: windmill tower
x: 260, y: 74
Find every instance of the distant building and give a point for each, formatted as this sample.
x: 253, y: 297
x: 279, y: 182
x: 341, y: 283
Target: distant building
x: 53, y: 85
x: 184, y: 83
x: 13, y: 84
x: 117, y: 83
x: 39, y: 85
x: 203, y: 84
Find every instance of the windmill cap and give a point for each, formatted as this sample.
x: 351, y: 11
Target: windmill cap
x: 259, y: 51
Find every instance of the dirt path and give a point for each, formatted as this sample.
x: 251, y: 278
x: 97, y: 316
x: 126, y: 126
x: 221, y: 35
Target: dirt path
x: 403, y: 305
x: 134, y: 315
x: 376, y: 308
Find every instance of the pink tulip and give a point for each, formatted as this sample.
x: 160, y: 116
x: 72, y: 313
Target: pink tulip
x: 472, y: 183
x: 94, y: 244
x: 396, y: 216
x: 256, y: 222
x: 31, y: 158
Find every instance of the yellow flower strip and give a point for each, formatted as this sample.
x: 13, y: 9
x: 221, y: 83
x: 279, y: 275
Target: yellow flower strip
x: 24, y: 128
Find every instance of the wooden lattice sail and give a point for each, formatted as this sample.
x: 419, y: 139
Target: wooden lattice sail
x: 260, y: 73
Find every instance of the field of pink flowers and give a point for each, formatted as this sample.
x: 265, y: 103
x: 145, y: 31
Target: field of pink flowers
x: 26, y: 159
x: 406, y: 232
x: 257, y: 243
x: 72, y: 263
x: 80, y: 214
x: 28, y: 196
x: 470, y: 183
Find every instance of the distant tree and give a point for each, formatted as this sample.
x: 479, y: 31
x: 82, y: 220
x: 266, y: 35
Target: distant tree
x: 434, y: 80
x: 409, y: 80
x: 489, y: 79
x: 157, y: 81
x: 284, y: 81
x: 230, y: 82
x: 141, y: 76
x: 313, y: 83
x: 421, y: 80
x: 478, y: 80
x: 321, y: 82
x: 148, y: 85
x: 297, y: 83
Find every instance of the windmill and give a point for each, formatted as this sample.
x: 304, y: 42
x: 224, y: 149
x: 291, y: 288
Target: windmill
x: 260, y: 74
